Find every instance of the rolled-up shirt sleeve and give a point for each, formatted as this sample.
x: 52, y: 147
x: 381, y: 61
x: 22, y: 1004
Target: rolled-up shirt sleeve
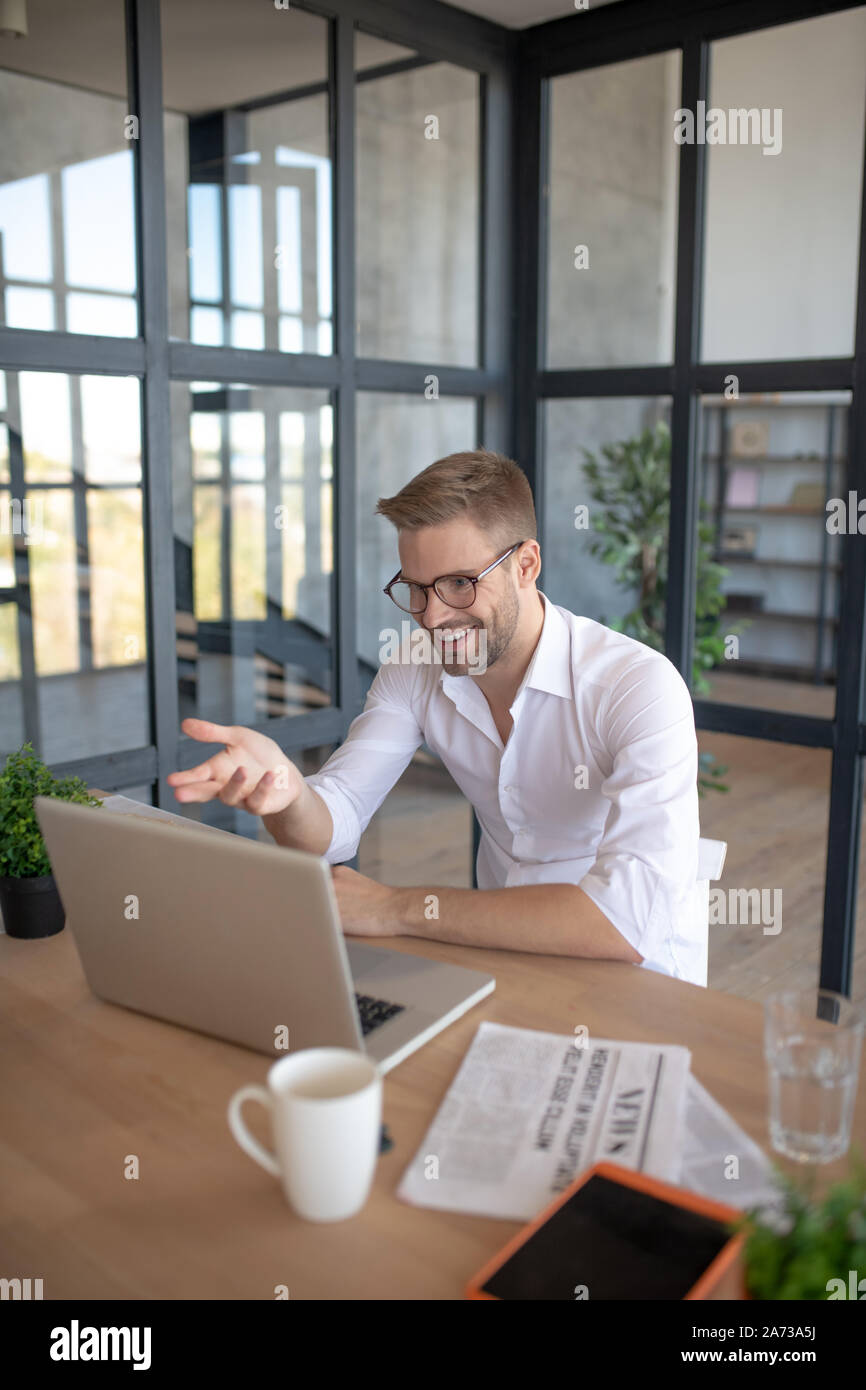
x: 357, y: 777
x: 646, y: 864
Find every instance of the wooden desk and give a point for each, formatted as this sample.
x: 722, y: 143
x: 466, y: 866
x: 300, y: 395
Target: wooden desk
x: 84, y: 1083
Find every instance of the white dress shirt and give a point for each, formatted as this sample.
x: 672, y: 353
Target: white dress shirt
x: 597, y: 784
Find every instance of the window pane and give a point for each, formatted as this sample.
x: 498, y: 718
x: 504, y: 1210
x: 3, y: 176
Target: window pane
x: 248, y: 553
x: 74, y: 680
x: 245, y: 243
x: 206, y: 326
x: 397, y: 436
x: 11, y: 522
x: 54, y: 586
x: 770, y: 467
x: 26, y: 308
x: 783, y: 197
x: 248, y: 330
x: 253, y: 550
x: 425, y: 819
x: 612, y: 214
x: 67, y: 198
x: 767, y: 909
x: 117, y: 584
x: 8, y: 531
x: 248, y: 187
x: 418, y: 203
x: 101, y: 313
x: 606, y: 540
x: 110, y: 457
x: 44, y: 412
x: 12, y: 731
x: 205, y: 262
x: 10, y: 660
x: 90, y: 189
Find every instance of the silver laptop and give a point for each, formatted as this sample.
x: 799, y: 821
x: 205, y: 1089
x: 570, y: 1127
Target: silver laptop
x: 235, y: 938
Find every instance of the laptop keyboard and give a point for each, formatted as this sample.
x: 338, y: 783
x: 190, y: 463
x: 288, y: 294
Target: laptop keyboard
x: 375, y: 1012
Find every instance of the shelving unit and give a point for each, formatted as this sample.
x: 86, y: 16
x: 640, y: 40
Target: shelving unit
x: 820, y: 420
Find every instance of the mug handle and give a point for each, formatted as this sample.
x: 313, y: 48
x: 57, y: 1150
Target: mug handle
x: 250, y: 1145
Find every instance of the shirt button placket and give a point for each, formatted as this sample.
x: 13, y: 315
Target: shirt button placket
x: 506, y: 799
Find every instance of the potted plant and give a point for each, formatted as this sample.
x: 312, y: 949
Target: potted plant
x: 808, y: 1249
x: 29, y: 900
x: 631, y: 516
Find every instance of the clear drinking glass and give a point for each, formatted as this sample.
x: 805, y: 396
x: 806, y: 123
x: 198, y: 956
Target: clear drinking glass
x: 812, y: 1043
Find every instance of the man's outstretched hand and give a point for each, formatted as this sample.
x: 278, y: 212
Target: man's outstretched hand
x: 252, y: 771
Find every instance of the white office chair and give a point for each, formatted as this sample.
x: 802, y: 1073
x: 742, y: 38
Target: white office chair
x: 711, y: 861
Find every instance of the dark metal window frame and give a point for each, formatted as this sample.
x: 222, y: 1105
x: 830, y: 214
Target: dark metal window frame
x: 441, y: 34
x: 509, y: 382
x: 616, y: 33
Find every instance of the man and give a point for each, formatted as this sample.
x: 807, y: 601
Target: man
x: 576, y: 746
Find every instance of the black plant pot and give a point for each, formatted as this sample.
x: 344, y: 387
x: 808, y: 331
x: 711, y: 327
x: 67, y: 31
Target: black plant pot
x: 31, y: 907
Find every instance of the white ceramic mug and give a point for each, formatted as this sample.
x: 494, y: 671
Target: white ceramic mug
x: 326, y: 1112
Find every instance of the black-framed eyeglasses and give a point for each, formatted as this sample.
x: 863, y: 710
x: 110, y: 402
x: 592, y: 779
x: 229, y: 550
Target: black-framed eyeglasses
x: 455, y: 590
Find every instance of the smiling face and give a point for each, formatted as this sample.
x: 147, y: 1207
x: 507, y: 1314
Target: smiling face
x: 461, y: 547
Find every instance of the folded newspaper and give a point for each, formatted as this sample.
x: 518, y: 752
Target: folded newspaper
x: 528, y: 1111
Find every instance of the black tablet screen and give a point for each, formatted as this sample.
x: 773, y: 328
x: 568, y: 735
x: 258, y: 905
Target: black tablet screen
x: 615, y: 1242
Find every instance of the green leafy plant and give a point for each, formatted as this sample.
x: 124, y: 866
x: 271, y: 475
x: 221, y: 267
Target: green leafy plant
x: 795, y: 1252
x: 630, y: 486
x: 22, y: 849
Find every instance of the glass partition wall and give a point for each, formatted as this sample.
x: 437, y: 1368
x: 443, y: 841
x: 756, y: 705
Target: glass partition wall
x: 258, y: 265
x: 692, y: 405
x: 243, y: 292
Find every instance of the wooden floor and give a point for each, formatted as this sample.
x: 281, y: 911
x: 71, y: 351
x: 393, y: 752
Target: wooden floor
x: 774, y: 819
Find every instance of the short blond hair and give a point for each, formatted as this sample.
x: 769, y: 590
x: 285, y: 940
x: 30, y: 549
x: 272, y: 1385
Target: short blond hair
x: 490, y: 488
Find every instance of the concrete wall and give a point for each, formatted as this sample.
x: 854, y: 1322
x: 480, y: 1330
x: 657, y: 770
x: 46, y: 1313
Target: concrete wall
x: 782, y: 230
x: 417, y: 215
x: 613, y: 188
x: 613, y: 182
x: 782, y: 235
x: 398, y: 435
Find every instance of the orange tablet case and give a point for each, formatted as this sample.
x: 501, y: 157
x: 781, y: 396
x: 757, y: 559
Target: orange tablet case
x: 721, y: 1279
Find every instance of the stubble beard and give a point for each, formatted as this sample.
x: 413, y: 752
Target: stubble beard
x: 499, y: 630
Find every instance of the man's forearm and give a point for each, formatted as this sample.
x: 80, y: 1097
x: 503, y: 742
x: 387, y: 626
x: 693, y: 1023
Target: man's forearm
x: 306, y: 824
x: 556, y: 919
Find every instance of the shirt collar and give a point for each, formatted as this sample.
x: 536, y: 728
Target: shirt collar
x: 549, y: 668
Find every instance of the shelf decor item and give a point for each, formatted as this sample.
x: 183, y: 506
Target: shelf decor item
x: 809, y: 495
x: 29, y: 900
x: 740, y: 540
x: 744, y: 603
x: 742, y: 489
x: 750, y: 439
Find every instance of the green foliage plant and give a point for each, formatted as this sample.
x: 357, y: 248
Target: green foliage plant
x: 630, y: 488
x: 803, y: 1248
x: 25, y: 776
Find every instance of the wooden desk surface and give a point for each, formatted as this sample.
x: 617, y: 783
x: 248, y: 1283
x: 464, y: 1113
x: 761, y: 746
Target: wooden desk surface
x: 84, y: 1083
